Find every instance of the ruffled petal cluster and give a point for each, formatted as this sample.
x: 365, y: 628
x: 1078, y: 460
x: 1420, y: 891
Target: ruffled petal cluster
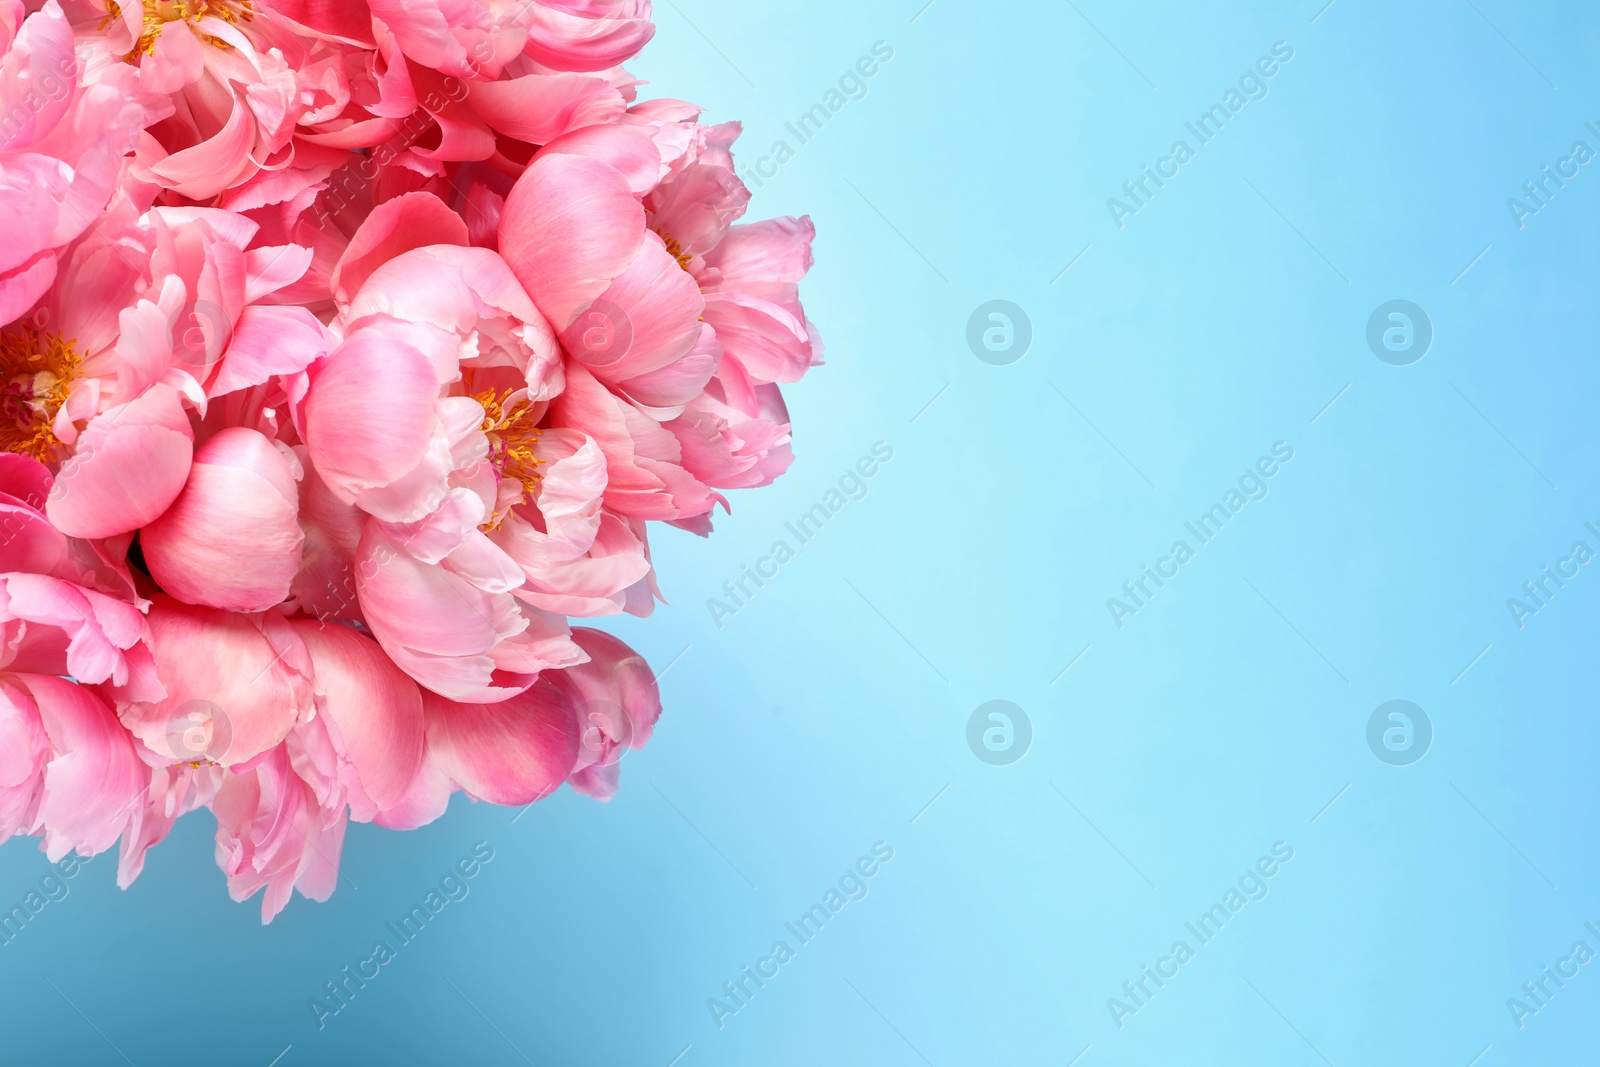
x: 347, y: 354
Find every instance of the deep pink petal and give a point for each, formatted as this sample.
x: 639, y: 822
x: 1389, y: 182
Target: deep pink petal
x: 513, y: 752
x: 373, y: 713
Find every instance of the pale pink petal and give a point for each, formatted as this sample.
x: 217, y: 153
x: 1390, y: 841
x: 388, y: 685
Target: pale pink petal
x: 236, y: 684
x: 129, y: 465
x: 232, y: 538
x: 655, y: 307
x: 267, y: 341
x: 617, y: 703
x: 538, y: 108
x: 93, y: 778
x: 444, y: 631
x: 588, y: 34
x: 361, y: 438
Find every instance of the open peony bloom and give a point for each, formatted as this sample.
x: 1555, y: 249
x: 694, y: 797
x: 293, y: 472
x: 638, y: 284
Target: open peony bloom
x: 347, y: 352
x: 154, y: 320
x: 479, y: 529
x: 677, y: 322
x: 281, y: 818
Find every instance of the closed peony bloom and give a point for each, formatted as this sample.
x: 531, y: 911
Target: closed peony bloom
x: 232, y: 537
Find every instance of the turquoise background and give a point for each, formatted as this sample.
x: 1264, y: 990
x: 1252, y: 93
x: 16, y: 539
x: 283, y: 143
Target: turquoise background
x: 1223, y: 717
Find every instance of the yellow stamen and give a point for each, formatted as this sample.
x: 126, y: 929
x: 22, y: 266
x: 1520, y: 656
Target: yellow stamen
x: 36, y: 374
x: 157, y: 13
x: 675, y: 250
x: 512, y: 435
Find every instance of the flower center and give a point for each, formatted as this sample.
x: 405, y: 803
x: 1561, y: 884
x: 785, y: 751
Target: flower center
x: 512, y: 435
x: 157, y: 13
x: 36, y: 372
x: 675, y: 250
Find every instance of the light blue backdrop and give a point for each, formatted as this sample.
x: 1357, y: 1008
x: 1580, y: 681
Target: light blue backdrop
x: 1228, y: 715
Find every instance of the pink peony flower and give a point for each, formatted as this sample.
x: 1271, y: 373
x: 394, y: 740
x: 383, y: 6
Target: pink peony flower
x: 68, y: 770
x: 154, y: 317
x: 678, y: 323
x: 572, y: 726
x: 281, y: 818
x: 62, y: 140
x: 346, y: 351
x: 478, y: 530
x: 296, y: 728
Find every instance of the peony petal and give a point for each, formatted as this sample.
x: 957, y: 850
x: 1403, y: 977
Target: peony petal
x: 512, y: 752
x: 232, y: 538
x: 395, y: 226
x: 373, y: 713
x: 129, y: 465
x: 236, y: 684
x: 363, y: 436
x: 94, y: 777
x: 571, y: 225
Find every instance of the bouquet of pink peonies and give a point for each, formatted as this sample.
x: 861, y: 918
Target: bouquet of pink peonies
x: 347, y: 350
